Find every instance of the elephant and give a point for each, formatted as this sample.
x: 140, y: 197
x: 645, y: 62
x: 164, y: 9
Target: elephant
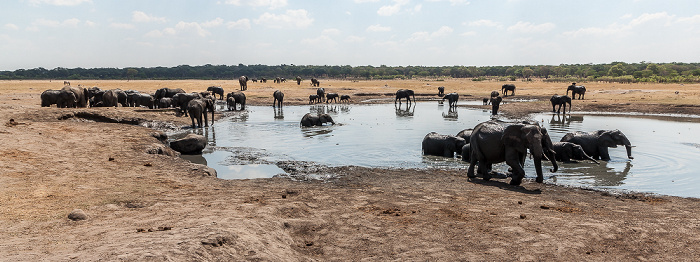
x: 298, y: 80
x: 435, y: 144
x: 315, y: 82
x: 146, y: 100
x: 345, y: 98
x: 216, y: 90
x: 121, y: 97
x: 198, y: 108
x: 495, y: 104
x: 81, y: 95
x: 596, y: 143
x: 278, y: 98
x: 239, y: 98
x: 568, y: 152
x: 441, y: 91
x: 314, y: 98
x: 560, y: 100
x: 465, y: 134
x: 181, y: 99
x: 331, y: 97
x: 316, y: 120
x: 243, y: 81
x: 404, y: 93
x: 283, y: 80
x: 95, y: 95
x: 61, y: 98
x: 452, y: 99
x: 492, y: 143
x: 321, y: 93
x: 110, y: 98
x: 508, y: 87
x: 277, y: 80
x: 264, y: 80
x: 130, y: 97
x: 580, y: 90
x: 165, y: 102
x: 166, y: 92
x: 255, y: 80
x: 466, y: 152
x: 495, y: 93
x: 485, y: 101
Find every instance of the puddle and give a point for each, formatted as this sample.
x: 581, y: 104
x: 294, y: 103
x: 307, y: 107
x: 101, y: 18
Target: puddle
x: 385, y: 135
x: 227, y: 167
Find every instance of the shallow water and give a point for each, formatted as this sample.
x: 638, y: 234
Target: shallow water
x: 383, y: 135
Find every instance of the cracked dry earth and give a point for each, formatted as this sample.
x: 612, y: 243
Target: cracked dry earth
x: 143, y: 203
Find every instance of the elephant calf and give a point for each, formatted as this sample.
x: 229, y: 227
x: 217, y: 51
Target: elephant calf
x: 596, y: 143
x: 316, y: 120
x: 197, y: 108
x: 442, y: 145
x: 569, y: 152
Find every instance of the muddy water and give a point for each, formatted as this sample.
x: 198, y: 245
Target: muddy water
x: 248, y: 144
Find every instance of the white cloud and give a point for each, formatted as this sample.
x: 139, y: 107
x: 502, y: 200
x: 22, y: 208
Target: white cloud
x: 59, y: 2
x: 191, y: 27
x: 427, y: 36
x: 141, y: 17
x: 331, y: 31
x: 154, y: 33
x: 90, y: 23
x: 240, y: 24
x: 11, y: 26
x: 53, y: 23
x: 355, y: 39
x: 389, y: 10
x: 527, y: 27
x: 213, y: 23
x: 272, y: 4
x: 470, y: 33
x: 320, y: 42
x: 290, y: 19
x: 484, y: 22
x: 417, y: 8
x: 452, y: 2
x: 378, y: 28
x: 365, y: 1
x: 121, y: 26
x: 651, y: 17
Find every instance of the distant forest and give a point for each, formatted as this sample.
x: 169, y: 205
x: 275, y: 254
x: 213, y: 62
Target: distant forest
x: 613, y: 72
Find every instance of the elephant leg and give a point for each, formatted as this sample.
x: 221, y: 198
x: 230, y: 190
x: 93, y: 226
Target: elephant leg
x: 518, y: 172
x: 447, y: 153
x: 472, y: 164
x: 604, y: 154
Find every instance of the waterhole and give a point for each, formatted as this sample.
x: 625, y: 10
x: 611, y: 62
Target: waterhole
x: 667, y: 154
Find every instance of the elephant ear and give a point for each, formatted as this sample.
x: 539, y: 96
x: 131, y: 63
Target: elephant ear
x: 569, y: 149
x: 513, y: 136
x: 606, y: 139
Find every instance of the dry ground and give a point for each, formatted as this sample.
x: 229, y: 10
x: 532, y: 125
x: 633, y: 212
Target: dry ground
x: 147, y: 206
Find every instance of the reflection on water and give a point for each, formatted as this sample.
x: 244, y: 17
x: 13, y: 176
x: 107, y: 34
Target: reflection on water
x: 451, y: 114
x: 409, y: 110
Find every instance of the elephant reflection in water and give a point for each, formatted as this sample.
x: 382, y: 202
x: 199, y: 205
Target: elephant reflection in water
x: 208, y: 132
x: 279, y: 114
x: 564, y: 121
x: 323, y: 109
x: 605, y: 174
x: 451, y: 114
x: 345, y: 109
x: 410, y: 109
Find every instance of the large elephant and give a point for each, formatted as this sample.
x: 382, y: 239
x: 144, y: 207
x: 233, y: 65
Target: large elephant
x: 61, y: 98
x: 298, y: 79
x: 146, y: 100
x: 110, y: 98
x: 596, y: 143
x: 278, y: 97
x: 435, y: 144
x: 216, y: 90
x: 81, y: 94
x: 560, y: 101
x: 321, y: 93
x: 495, y: 104
x: 508, y: 87
x: 404, y: 93
x: 165, y: 102
x: 238, y: 98
x: 452, y: 99
x: 316, y: 120
x: 466, y: 134
x: 441, y: 91
x: 568, y: 152
x: 493, y: 143
x: 315, y: 82
x: 130, y: 94
x: 243, y: 81
x: 181, y: 99
x: 197, y: 108
x: 166, y: 92
x: 580, y: 90
x: 331, y: 97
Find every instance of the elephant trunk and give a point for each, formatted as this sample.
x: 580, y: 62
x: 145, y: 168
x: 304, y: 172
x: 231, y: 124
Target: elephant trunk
x: 628, y: 146
x: 538, y: 168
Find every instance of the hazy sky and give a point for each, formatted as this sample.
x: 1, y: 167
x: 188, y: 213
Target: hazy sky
x: 96, y: 33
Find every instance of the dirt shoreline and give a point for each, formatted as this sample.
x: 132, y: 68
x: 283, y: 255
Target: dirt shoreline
x: 143, y: 204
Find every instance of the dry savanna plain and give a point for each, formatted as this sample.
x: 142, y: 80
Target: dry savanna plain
x: 140, y: 202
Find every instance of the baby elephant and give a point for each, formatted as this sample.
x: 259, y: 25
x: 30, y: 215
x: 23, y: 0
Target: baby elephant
x: 316, y: 120
x: 435, y: 144
x: 569, y: 152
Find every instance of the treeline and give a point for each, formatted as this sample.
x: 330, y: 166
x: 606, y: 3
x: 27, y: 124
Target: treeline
x: 612, y: 72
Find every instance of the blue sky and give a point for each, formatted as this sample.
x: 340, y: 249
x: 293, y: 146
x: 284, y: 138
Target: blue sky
x: 94, y: 33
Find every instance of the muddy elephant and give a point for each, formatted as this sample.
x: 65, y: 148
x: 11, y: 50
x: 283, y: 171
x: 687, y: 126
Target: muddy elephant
x: 404, y: 93
x: 441, y: 91
x: 465, y: 134
x: 81, y: 95
x: 238, y: 98
x: 452, y: 99
x: 167, y: 92
x: 345, y: 98
x: 569, y: 152
x: 560, y: 101
x: 495, y: 104
x: 491, y: 143
x: 216, y: 90
x: 180, y: 101
x: 165, y: 102
x: 508, y: 87
x: 315, y: 82
x: 145, y: 100
x: 316, y: 120
x: 61, y: 98
x: 197, y: 108
x: 110, y: 98
x: 596, y: 143
x: 278, y: 97
x: 243, y: 81
x: 435, y: 144
x: 580, y: 90
x: 331, y: 97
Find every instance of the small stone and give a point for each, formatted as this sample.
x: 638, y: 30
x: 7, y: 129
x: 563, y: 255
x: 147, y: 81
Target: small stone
x: 147, y: 164
x: 522, y: 216
x: 77, y: 215
x: 111, y: 158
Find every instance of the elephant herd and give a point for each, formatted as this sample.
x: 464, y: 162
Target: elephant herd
x: 493, y: 142
x: 321, y: 95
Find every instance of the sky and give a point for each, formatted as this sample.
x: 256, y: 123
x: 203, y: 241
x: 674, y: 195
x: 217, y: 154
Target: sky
x: 149, y: 33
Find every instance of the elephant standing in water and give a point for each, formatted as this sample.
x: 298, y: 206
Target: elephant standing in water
x: 321, y: 93
x: 316, y: 120
x: 197, y: 108
x: 243, y: 81
x: 569, y: 152
x: 493, y: 143
x: 596, y: 143
x: 61, y: 98
x: 216, y: 90
x: 278, y: 96
x: 495, y: 104
x: 180, y: 100
x: 466, y: 149
x: 560, y: 101
x: 234, y: 98
x: 508, y: 87
x: 441, y: 91
x: 404, y: 93
x: 580, y: 90
x: 452, y: 99
x: 435, y: 144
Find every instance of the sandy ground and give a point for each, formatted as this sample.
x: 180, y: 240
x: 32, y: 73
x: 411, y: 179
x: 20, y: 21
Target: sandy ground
x: 142, y: 205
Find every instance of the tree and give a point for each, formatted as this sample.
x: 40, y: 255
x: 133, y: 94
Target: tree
x: 130, y: 73
x: 527, y: 72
